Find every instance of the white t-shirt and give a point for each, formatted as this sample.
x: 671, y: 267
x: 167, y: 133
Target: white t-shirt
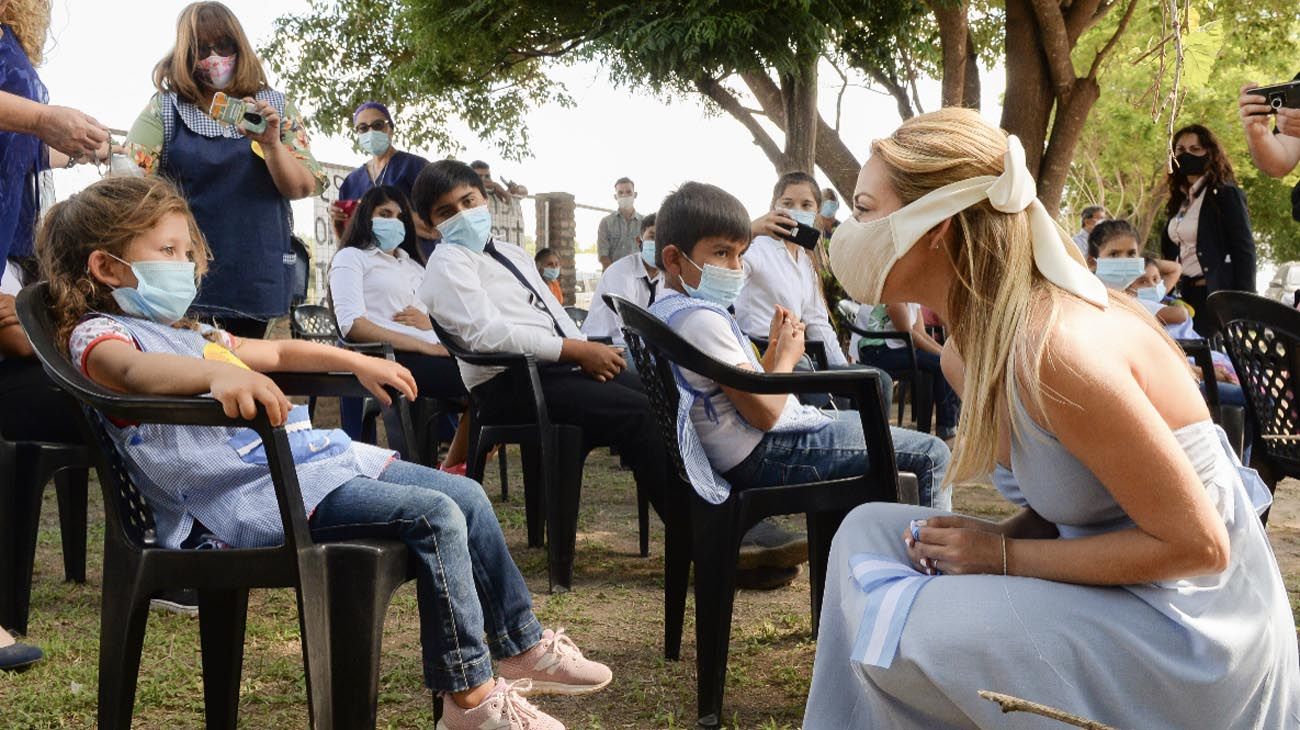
x: 627, y: 278
x: 876, y: 318
x: 732, y: 438
x: 776, y: 276
x: 371, y: 284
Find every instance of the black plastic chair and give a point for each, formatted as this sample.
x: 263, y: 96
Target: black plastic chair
x: 814, y: 349
x: 921, y: 383
x: 552, y: 458
x: 577, y: 314
x: 26, y: 467
x: 343, y: 588
x: 1262, y: 337
x: 709, y: 535
x: 1231, y: 418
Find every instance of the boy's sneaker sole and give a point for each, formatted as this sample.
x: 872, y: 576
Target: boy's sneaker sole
x: 541, y: 687
x: 180, y: 609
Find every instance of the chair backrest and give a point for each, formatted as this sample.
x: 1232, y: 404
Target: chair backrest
x: 1199, y: 351
x: 1263, y: 340
x: 577, y: 314
x: 659, y: 384
x: 301, y: 270
x: 123, y: 501
x: 814, y: 349
x: 314, y: 322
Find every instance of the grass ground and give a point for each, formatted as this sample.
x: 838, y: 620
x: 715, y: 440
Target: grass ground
x: 615, y: 612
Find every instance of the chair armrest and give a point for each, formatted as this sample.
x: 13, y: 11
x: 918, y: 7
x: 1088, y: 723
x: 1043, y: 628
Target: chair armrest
x: 381, y: 349
x: 341, y: 384
x: 839, y: 382
x: 180, y: 410
x: 601, y: 340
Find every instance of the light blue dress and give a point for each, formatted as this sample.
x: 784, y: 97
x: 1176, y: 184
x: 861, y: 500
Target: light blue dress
x: 1211, y: 652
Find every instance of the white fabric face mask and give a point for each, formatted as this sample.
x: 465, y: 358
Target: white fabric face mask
x: 862, y: 254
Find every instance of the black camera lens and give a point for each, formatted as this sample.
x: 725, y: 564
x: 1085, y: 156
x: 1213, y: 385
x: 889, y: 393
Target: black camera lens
x: 1275, y: 102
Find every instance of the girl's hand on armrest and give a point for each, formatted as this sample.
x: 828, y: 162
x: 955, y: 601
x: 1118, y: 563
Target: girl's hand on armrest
x: 376, y: 373
x: 239, y: 391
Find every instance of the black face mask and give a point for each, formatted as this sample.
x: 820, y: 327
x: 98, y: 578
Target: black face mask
x: 1190, y: 164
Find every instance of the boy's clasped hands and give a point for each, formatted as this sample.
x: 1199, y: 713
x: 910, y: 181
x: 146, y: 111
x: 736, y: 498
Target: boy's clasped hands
x: 785, y: 338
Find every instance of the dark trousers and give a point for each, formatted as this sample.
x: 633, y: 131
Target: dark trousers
x: 435, y: 377
x: 613, y: 413
x: 1195, y: 295
x: 241, y: 326
x: 896, y: 360
x: 32, y: 408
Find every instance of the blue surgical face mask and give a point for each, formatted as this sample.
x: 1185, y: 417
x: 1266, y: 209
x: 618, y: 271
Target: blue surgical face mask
x: 1119, y: 273
x: 718, y: 285
x: 648, y: 253
x: 1152, y: 293
x: 388, y: 232
x: 471, y: 228
x: 374, y: 142
x: 805, y: 217
x: 163, y: 292
x: 551, y: 273
x: 830, y: 208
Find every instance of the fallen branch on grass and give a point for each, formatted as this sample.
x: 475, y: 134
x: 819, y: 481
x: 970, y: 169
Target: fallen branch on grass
x: 1015, y: 704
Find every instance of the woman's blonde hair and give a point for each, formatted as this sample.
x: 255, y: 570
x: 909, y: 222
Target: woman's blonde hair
x: 998, y: 288
x: 106, y: 216
x: 201, y: 24
x: 30, y: 21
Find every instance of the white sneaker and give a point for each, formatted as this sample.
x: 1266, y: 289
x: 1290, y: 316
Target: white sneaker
x: 504, y: 709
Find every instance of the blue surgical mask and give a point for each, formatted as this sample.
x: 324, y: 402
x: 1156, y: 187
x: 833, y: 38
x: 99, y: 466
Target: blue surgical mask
x: 830, y: 208
x: 718, y: 285
x: 1152, y: 293
x: 163, y: 292
x: 1119, y: 273
x: 374, y: 142
x: 471, y: 228
x: 388, y: 232
x: 551, y: 273
x: 805, y: 217
x: 648, y: 253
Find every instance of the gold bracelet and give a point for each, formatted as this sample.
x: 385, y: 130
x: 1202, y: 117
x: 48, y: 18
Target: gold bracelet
x: 1004, y: 554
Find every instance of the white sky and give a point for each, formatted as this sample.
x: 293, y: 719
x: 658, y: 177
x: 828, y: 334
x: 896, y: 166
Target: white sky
x: 101, y: 64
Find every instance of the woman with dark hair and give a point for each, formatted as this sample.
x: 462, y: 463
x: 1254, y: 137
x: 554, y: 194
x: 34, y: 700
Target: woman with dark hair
x: 373, y: 280
x: 238, y: 182
x: 1208, y: 227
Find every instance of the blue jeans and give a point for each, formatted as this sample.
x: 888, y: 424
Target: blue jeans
x: 839, y: 450
x: 474, y: 604
x: 824, y: 400
x: 947, y: 405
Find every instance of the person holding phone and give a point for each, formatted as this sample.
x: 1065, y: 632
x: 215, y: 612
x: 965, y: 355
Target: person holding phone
x: 238, y: 182
x: 1275, y: 149
x: 780, y: 267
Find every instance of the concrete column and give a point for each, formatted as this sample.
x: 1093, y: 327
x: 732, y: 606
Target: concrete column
x: 557, y: 230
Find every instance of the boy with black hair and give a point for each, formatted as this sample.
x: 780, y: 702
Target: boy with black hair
x: 750, y: 439
x: 634, y: 277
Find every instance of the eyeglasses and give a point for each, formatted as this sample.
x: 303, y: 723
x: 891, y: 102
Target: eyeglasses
x: 379, y: 125
x: 225, y: 47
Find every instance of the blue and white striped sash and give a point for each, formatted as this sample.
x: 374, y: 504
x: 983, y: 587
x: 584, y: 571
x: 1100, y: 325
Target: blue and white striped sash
x: 890, y: 587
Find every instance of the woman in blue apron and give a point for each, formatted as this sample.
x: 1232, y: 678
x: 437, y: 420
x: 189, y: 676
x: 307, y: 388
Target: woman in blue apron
x: 387, y: 165
x: 237, y: 179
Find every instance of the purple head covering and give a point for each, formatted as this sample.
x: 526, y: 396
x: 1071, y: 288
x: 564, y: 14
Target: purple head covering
x: 372, y: 105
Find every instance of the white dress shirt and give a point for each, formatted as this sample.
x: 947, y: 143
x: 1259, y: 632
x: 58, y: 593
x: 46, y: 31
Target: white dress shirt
x: 481, y: 304
x: 626, y: 278
x: 371, y: 284
x: 777, y: 277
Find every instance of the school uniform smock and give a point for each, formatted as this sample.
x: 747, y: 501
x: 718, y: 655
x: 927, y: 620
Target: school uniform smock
x: 626, y: 278
x: 775, y: 276
x: 400, y: 172
x: 1215, y: 651
x: 224, y: 177
x: 493, y: 304
x: 366, y: 282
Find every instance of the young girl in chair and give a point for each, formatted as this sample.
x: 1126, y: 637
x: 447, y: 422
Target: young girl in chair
x: 123, y: 259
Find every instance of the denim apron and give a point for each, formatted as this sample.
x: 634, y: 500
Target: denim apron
x: 238, y: 208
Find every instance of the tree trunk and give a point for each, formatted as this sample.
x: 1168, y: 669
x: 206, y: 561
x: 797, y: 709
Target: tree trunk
x: 799, y: 93
x: 953, y: 35
x: 836, y: 160
x: 1067, y: 126
x: 1027, y: 106
x: 971, y: 94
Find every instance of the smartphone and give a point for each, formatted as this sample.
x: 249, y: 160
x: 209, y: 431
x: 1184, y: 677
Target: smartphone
x: 805, y: 236
x: 1280, y: 95
x: 234, y: 111
x: 347, y: 206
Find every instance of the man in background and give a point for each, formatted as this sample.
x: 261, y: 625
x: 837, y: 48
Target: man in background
x: 617, y: 235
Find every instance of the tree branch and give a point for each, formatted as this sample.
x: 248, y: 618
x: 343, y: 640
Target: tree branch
x: 768, y: 95
x: 839, y: 97
x: 1015, y: 704
x: 1081, y: 16
x: 1056, y: 43
x: 1113, y: 41
x: 711, y: 88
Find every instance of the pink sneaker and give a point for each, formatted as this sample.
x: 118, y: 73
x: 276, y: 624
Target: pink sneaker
x: 459, y: 470
x: 504, y: 709
x: 556, y: 667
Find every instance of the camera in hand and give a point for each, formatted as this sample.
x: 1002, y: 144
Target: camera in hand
x: 237, y: 112
x: 1281, y: 95
x: 806, y: 236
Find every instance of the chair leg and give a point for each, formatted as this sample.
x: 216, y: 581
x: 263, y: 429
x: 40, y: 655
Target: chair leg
x: 822, y: 527
x: 716, y: 544
x: 563, y: 490
x: 677, y: 575
x: 123, y: 616
x: 923, y: 403
x: 71, y: 487
x: 20, y: 516
x: 222, y: 618
x: 504, y: 474
x: 535, y: 499
x: 903, y: 390
x: 643, y: 521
